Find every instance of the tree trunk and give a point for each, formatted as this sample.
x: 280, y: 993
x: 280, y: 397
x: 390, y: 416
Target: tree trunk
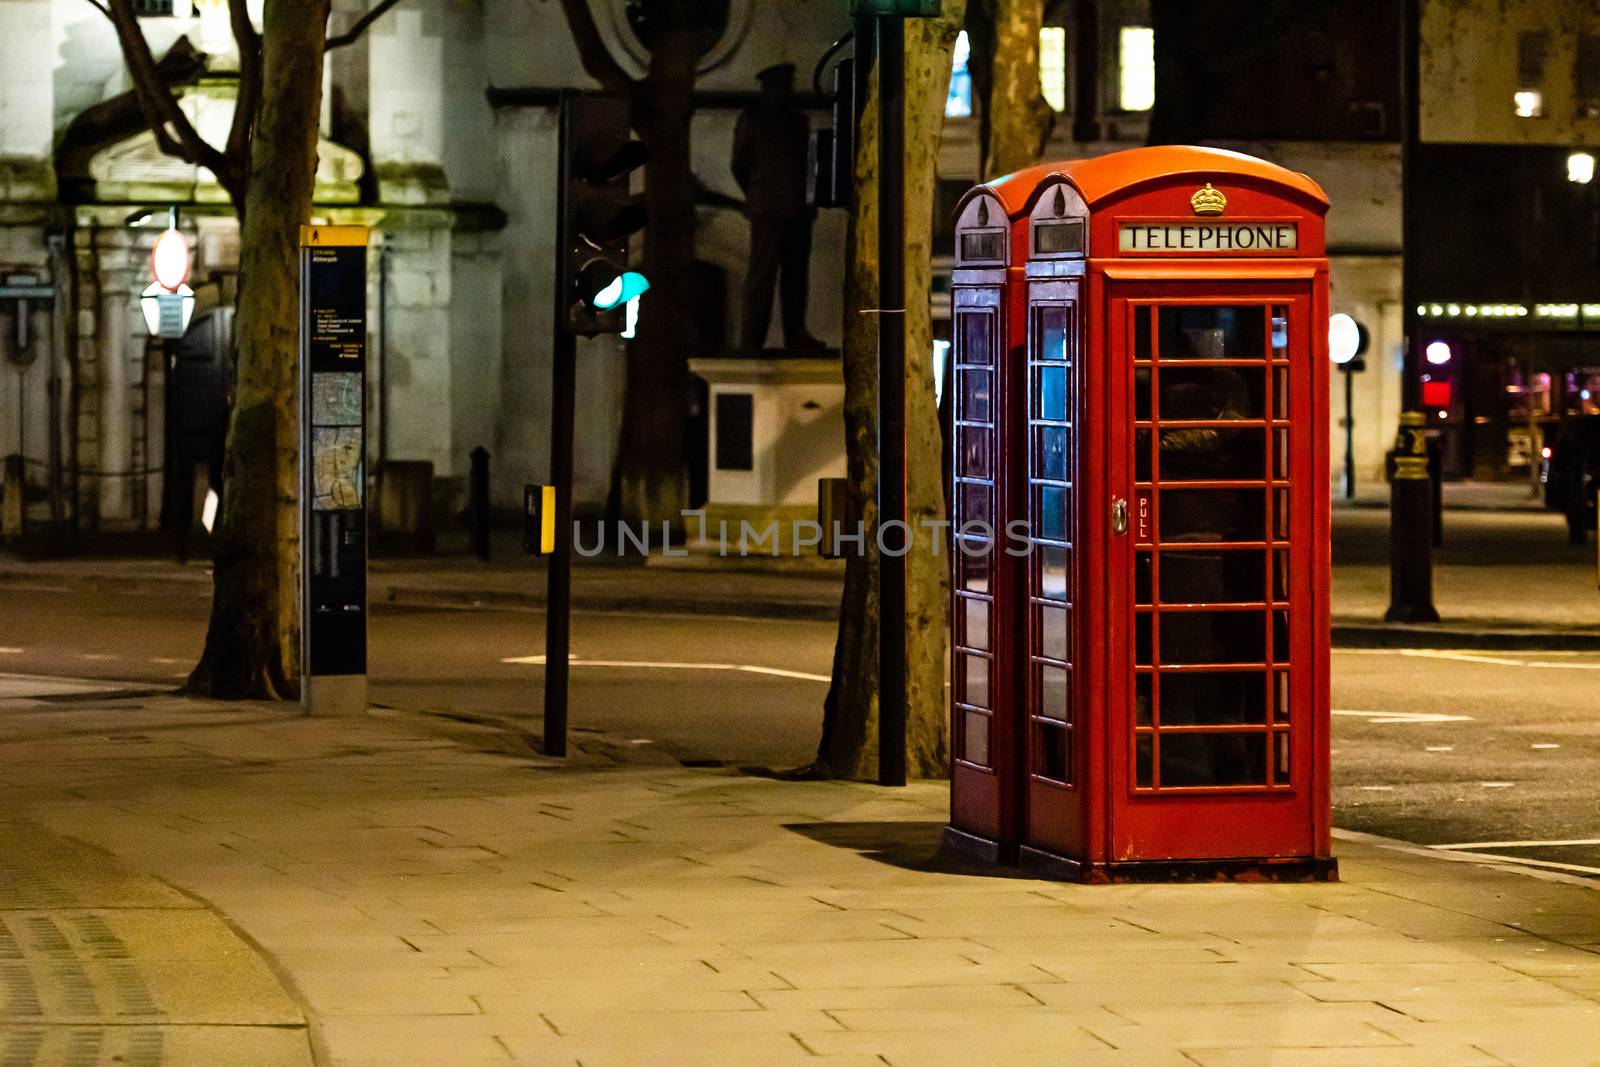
x: 651, y: 477
x: 849, y: 741
x: 253, y: 643
x: 1017, y: 118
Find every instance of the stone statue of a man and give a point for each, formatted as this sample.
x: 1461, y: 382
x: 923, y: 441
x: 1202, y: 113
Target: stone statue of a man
x: 770, y: 146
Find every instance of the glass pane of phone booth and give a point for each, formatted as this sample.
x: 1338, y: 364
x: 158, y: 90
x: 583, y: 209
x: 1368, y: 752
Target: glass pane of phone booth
x: 976, y: 449
x: 1052, y: 477
x: 1212, y: 504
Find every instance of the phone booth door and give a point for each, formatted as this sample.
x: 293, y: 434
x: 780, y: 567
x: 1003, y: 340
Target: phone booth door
x: 981, y: 692
x: 1210, y: 687
x: 1049, y: 690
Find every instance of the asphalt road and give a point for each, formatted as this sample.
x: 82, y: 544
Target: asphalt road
x: 700, y: 687
x: 1496, y: 750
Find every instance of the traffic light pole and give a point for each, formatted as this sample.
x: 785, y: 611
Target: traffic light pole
x: 1410, y: 493
x: 563, y: 400
x: 592, y: 287
x: 558, y: 598
x: 891, y: 402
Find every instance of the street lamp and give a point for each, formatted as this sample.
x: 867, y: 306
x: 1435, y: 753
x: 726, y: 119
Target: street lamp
x: 167, y: 305
x: 1347, y: 341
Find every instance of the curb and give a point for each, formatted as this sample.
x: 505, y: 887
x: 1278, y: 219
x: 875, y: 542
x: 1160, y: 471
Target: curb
x: 795, y: 610
x: 1403, y: 635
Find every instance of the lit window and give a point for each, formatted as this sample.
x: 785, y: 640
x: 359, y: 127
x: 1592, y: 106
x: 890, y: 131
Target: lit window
x: 1053, y: 66
x: 1136, y: 58
x: 1529, y: 103
x: 958, y: 104
x: 1580, y: 168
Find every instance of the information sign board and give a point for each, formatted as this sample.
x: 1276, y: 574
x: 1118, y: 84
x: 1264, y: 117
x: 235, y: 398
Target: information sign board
x: 333, y: 509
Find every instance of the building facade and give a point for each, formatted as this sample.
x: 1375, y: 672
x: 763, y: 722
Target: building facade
x: 439, y: 132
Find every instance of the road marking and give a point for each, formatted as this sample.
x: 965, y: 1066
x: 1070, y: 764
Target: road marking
x: 1382, y: 717
x: 1521, y: 861
x: 1518, y: 844
x: 166, y: 659
x: 748, y: 668
x: 1496, y: 785
x: 1564, y: 666
x: 1378, y: 788
x: 1462, y: 657
x: 10, y: 651
x: 1544, y: 744
x: 23, y: 686
x: 1440, y: 748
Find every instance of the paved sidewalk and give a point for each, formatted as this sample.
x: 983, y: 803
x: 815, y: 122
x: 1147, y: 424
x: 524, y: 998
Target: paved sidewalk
x: 1459, y: 496
x: 1502, y: 579
x: 435, y: 893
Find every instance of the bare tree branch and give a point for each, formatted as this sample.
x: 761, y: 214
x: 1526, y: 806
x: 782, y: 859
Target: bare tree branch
x: 353, y: 34
x: 98, y: 6
x: 241, y: 134
x: 597, y: 59
x: 175, y: 135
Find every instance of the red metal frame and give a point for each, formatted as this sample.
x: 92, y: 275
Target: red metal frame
x: 1242, y: 791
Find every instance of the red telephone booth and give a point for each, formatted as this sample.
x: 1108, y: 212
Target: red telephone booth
x: 1140, y: 662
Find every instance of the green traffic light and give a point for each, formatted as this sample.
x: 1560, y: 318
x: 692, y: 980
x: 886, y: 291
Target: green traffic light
x: 624, y: 287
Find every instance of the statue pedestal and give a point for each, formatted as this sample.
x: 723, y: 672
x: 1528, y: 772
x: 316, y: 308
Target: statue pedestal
x: 776, y: 425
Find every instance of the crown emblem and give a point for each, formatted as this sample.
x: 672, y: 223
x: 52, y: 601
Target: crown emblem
x: 1208, y: 201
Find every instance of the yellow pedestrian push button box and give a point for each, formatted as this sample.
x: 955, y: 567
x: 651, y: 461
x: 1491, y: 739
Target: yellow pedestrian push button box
x: 539, y: 519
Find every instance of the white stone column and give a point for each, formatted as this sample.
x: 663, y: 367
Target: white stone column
x: 418, y: 339
x: 27, y: 79
x: 405, y: 77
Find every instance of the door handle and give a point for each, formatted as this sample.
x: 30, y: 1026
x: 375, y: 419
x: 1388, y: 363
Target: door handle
x: 1119, y: 515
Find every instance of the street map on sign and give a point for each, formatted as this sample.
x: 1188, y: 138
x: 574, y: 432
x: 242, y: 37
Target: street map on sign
x: 336, y: 441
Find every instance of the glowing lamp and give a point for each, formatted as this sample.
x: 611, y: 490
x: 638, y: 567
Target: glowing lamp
x: 169, y: 260
x: 1345, y: 339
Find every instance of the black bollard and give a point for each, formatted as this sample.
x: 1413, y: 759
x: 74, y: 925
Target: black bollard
x: 1410, y: 522
x: 478, y: 502
x: 1436, y: 481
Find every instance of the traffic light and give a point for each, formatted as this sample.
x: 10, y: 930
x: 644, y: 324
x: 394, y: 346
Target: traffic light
x: 598, y: 214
